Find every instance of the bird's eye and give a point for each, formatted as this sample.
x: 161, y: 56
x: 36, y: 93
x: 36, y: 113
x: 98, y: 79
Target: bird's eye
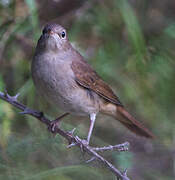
x: 63, y: 34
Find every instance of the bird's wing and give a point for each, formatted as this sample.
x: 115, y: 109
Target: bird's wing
x: 86, y: 77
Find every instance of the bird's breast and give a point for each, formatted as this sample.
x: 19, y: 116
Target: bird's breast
x: 55, y: 81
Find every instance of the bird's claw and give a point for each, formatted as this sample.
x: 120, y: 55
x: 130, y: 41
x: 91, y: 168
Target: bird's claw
x: 52, y: 126
x: 83, y: 141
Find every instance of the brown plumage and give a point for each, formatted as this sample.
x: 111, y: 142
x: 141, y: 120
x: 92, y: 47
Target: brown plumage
x: 132, y: 124
x: 67, y: 81
x: 88, y: 78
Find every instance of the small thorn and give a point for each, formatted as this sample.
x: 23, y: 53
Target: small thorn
x: 127, y: 144
x: 125, y: 172
x: 90, y: 160
x: 15, y: 98
x: 26, y: 111
x: 72, y: 131
x: 17, y: 95
x: 125, y: 147
x: 71, y: 145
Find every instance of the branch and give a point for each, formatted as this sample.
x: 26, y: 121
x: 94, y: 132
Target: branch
x: 118, y: 147
x: 73, y: 140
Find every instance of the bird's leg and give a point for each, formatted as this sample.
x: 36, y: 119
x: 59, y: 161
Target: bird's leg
x: 92, y: 119
x: 55, y: 122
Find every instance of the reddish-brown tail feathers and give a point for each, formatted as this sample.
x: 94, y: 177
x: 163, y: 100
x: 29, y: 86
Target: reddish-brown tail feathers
x: 132, y: 124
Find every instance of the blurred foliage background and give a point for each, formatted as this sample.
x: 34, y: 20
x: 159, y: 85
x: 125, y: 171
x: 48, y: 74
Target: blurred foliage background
x: 131, y: 45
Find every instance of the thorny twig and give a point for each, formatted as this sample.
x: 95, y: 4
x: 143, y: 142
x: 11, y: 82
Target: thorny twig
x: 118, y: 147
x: 73, y: 140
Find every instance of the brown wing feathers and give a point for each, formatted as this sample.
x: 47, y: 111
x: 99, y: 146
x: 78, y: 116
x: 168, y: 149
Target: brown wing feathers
x: 88, y: 78
x: 132, y: 124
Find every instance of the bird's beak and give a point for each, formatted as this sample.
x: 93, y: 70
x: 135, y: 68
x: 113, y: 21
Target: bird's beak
x: 50, y: 32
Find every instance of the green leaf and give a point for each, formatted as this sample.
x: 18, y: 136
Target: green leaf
x: 134, y: 31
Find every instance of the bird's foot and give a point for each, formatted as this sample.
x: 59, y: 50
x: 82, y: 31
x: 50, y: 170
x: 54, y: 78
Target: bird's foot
x: 85, y: 142
x: 53, y: 125
x: 82, y: 143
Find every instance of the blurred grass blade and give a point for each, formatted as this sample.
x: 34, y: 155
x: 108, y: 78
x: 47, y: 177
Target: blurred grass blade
x: 77, y: 170
x: 33, y: 15
x: 134, y: 32
x: 170, y: 31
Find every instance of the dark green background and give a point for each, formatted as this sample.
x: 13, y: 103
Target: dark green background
x: 131, y: 45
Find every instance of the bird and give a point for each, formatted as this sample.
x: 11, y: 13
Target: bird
x: 65, y: 79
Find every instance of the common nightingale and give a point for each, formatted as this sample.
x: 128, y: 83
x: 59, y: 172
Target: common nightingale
x: 67, y: 81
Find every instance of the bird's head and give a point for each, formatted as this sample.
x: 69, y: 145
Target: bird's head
x: 53, y: 38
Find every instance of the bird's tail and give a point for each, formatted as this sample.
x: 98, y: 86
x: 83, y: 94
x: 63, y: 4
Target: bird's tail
x: 120, y: 114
